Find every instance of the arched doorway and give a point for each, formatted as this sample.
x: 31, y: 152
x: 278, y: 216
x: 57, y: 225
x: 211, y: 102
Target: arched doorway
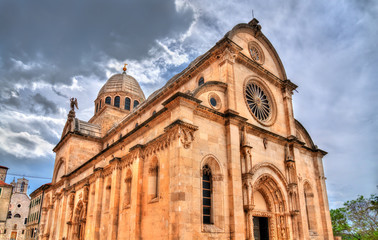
x: 270, y: 215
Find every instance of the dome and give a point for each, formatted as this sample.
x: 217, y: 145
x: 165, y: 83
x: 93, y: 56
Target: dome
x: 122, y: 82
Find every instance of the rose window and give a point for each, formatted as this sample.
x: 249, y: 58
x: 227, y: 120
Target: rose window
x: 258, y: 102
x: 255, y: 54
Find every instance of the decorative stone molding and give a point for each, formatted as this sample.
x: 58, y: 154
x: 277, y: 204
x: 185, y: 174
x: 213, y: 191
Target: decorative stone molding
x: 218, y: 177
x: 228, y: 55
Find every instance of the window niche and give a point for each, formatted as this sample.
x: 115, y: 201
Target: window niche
x: 310, y: 209
x: 153, y: 180
x: 201, y: 81
x: 212, y: 196
x: 128, y: 182
x: 117, y: 101
x: 108, y: 100
x: 136, y: 103
x: 127, y: 103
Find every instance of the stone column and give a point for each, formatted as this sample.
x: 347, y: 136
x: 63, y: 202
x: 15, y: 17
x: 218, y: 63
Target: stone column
x: 99, y: 186
x: 287, y: 91
x: 137, y: 160
x: 115, y: 198
x: 235, y: 196
x: 226, y: 69
x: 322, y: 195
x: 294, y: 206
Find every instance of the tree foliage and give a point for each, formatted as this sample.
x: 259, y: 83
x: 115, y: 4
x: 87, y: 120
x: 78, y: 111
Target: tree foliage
x: 358, y: 219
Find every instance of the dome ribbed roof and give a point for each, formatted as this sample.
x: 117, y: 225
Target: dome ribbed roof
x: 122, y: 82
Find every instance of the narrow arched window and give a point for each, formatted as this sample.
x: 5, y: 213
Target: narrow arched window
x: 136, y: 103
x: 206, y: 195
x: 128, y: 188
x: 100, y: 103
x: 116, y: 101
x: 201, y: 81
x: 310, y: 207
x: 97, y: 107
x: 127, y: 103
x: 22, y: 187
x: 108, y: 100
x: 154, y: 180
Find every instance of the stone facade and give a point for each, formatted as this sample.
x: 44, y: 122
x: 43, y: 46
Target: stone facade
x: 18, y: 211
x: 5, y: 197
x: 35, y: 209
x: 214, y: 154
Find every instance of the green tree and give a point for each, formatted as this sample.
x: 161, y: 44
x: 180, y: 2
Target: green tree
x: 339, y: 220
x: 358, y: 219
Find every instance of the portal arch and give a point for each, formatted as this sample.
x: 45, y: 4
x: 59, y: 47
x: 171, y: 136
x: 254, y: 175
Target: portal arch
x: 270, y: 203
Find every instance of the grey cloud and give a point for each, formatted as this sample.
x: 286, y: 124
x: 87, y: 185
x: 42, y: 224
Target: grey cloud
x: 59, y: 93
x: 42, y: 104
x: 23, y: 141
x: 70, y: 38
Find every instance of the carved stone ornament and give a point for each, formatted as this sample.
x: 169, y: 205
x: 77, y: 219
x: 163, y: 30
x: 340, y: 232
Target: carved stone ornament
x: 186, y: 137
x: 228, y: 55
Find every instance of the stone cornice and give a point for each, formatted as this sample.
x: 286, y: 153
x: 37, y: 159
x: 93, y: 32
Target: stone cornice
x: 74, y: 134
x: 257, y: 68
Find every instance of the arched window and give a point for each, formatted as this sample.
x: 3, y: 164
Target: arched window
x: 116, y: 101
x: 127, y: 103
x: 100, y: 103
x: 310, y: 208
x: 206, y: 194
x: 201, y: 81
x: 17, y: 215
x: 97, y: 107
x: 136, y: 103
x: 128, y: 188
x: 154, y: 179
x: 108, y: 100
x: 22, y: 187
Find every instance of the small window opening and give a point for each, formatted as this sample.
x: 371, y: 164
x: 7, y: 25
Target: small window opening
x: 136, y: 103
x: 201, y: 81
x: 108, y: 100
x: 127, y: 103
x: 117, y: 100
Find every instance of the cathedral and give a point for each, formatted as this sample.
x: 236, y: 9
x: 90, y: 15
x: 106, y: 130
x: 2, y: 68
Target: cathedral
x: 216, y: 153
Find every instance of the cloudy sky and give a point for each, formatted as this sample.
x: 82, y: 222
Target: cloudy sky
x: 52, y: 50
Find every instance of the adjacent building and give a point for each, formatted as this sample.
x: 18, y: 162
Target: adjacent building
x: 5, y: 197
x: 214, y: 154
x: 34, y: 216
x: 15, y: 226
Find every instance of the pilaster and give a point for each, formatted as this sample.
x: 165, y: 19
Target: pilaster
x: 235, y: 196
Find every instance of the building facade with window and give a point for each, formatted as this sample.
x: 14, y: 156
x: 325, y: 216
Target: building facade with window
x: 15, y: 226
x: 214, y: 154
x: 35, y: 209
x: 5, y: 197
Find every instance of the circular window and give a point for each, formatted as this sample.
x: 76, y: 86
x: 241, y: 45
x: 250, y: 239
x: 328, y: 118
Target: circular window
x: 19, y: 205
x: 214, y: 101
x: 256, y: 52
x: 259, y: 102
